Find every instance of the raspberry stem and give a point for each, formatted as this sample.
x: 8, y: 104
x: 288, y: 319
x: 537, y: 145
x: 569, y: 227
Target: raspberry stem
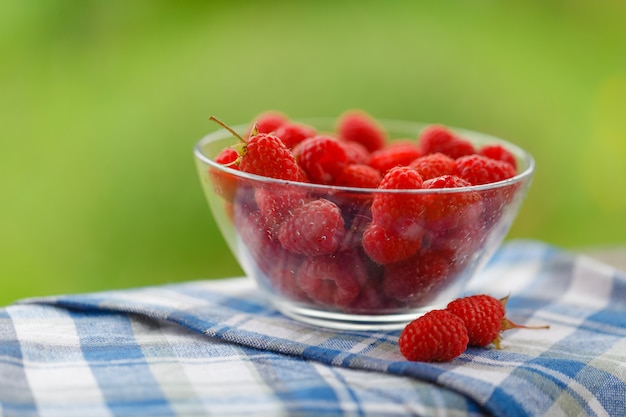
x: 230, y: 129
x: 239, y: 147
x: 508, y: 324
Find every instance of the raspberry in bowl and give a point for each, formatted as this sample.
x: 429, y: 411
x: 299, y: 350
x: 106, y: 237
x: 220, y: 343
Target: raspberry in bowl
x: 357, y: 223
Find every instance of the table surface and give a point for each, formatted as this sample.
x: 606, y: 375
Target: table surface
x: 218, y: 348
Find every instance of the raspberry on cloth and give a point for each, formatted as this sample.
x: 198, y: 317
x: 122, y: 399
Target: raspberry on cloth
x: 218, y: 348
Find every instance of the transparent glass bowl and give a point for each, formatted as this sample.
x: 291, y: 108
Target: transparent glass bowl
x: 346, y: 289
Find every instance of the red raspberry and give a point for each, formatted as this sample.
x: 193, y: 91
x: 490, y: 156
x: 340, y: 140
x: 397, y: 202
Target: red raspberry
x: 360, y: 127
x: 437, y: 336
x: 497, y: 202
x: 224, y: 183
x: 356, y: 217
x: 446, y: 181
x: 293, y: 133
x: 458, y: 245
x: 385, y: 247
x: 260, y: 243
x: 462, y: 240
x: 321, y: 157
x: 228, y: 156
x: 479, y: 169
x: 333, y: 280
x: 401, y: 178
x: 282, y: 276
x: 278, y: 201
x: 302, y: 176
x: 433, y: 165
x: 437, y: 138
x: 396, y: 154
x: 443, y: 211
x: 484, y: 317
x: 355, y: 152
x: 371, y: 299
x: 258, y: 237
x: 358, y: 175
x: 415, y: 280
x: 269, y: 121
x: 316, y: 228
x: 400, y: 213
x: 267, y: 155
x: 499, y: 153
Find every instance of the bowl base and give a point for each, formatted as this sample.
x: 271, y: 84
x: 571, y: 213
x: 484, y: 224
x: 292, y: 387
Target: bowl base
x: 344, y: 321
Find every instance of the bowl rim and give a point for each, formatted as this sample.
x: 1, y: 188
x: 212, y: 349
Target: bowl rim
x: 389, y: 125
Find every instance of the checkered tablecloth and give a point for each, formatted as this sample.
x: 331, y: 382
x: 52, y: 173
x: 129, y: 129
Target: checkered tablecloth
x: 217, y: 348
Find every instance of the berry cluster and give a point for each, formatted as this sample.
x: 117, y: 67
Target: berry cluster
x: 442, y: 335
x: 373, y: 242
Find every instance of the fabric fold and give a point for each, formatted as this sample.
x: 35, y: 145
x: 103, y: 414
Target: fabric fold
x: 575, y: 367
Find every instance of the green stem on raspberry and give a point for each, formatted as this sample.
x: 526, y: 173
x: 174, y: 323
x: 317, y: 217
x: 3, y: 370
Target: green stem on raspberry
x: 230, y: 129
x: 240, y: 148
x: 504, y: 300
x: 508, y: 325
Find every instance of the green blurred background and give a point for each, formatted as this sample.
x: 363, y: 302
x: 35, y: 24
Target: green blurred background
x: 101, y: 103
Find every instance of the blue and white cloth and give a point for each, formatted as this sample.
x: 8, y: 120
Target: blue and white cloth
x: 217, y: 348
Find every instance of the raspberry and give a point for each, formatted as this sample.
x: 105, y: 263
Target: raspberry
x: 269, y: 121
x: 458, y: 245
x: 433, y: 165
x: 443, y: 211
x: 437, y: 138
x: 282, y: 275
x: 316, y: 228
x: 225, y: 184
x: 401, y: 178
x: 267, y: 155
x: 257, y: 236
x: 446, y: 181
x: 301, y: 176
x: 437, y: 336
x: 484, y: 317
x: 293, y: 133
x: 355, y: 152
x: 371, y: 299
x: 263, y: 154
x: 385, y: 247
x: 400, y: 213
x: 227, y: 156
x: 396, y: 154
x: 479, y: 169
x: 499, y: 153
x: 321, y: 157
x: 333, y: 280
x: 358, y: 175
x: 276, y: 202
x: 413, y: 280
x: 360, y: 127
x: 356, y: 222
x: 460, y: 242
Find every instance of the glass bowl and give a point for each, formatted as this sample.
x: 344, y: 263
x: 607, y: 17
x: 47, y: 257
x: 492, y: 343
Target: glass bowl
x: 342, y: 287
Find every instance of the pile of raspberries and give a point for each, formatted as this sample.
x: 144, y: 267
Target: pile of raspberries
x: 357, y: 237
